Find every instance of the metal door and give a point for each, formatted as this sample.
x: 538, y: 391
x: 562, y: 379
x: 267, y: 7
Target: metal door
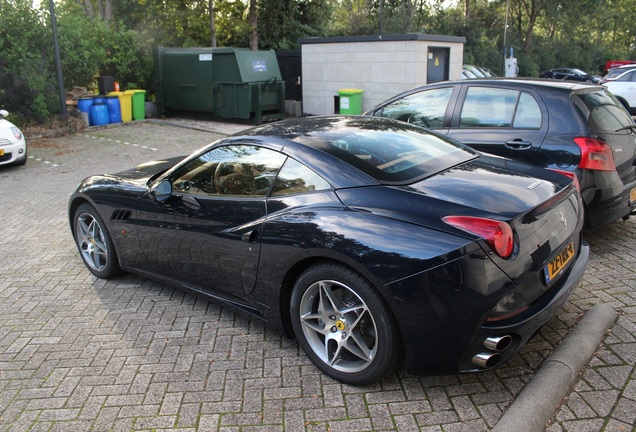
x: 437, y: 64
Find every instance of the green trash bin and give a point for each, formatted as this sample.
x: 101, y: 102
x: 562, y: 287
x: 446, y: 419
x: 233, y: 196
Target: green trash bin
x: 138, y: 103
x: 350, y: 101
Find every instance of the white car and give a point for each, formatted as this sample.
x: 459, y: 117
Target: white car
x: 624, y: 88
x: 614, y: 73
x: 13, y: 149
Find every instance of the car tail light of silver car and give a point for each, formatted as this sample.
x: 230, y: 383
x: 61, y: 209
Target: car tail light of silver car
x: 497, y: 234
x: 595, y: 154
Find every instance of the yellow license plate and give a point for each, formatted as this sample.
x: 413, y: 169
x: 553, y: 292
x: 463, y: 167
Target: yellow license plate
x: 632, y: 196
x: 558, y: 264
x: 1, y: 152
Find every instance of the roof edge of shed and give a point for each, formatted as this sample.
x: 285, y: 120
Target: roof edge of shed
x: 384, y: 38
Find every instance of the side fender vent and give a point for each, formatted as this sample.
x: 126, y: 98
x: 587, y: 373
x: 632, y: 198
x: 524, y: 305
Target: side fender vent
x: 120, y: 215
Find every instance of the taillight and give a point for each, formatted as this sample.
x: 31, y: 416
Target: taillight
x: 595, y: 154
x: 497, y: 234
x: 570, y: 174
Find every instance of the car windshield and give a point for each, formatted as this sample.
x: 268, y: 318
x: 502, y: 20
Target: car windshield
x: 391, y: 152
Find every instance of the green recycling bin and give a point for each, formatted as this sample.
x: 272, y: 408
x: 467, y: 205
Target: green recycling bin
x: 350, y: 101
x: 138, y: 103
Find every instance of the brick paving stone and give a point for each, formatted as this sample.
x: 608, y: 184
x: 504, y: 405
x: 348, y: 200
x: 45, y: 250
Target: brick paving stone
x: 82, y: 354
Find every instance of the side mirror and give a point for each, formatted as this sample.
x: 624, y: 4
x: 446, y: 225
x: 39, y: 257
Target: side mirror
x: 162, y: 191
x: 4, y: 113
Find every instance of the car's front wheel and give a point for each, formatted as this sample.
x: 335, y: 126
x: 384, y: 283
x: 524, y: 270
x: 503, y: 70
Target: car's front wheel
x: 343, y: 324
x: 94, y: 243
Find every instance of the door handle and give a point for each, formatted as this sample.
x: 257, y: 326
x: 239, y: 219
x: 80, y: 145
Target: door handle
x: 517, y: 144
x: 250, y: 236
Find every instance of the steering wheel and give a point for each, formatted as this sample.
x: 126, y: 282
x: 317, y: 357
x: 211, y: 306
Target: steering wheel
x: 222, y: 170
x: 234, y: 179
x: 419, y: 120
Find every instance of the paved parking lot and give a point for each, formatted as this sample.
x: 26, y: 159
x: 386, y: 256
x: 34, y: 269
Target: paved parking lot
x: 82, y: 354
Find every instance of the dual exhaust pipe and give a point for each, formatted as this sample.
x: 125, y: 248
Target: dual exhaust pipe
x: 496, y: 345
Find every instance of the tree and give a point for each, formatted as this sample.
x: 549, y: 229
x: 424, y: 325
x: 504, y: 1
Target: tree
x: 27, y: 82
x: 253, y: 17
x: 116, y: 37
x: 282, y: 22
x: 212, y: 26
x: 101, y: 8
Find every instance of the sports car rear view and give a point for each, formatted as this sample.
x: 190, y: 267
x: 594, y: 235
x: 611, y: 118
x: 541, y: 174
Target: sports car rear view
x: 373, y: 242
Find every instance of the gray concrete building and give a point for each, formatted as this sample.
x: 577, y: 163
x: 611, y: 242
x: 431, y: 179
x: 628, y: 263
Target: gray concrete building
x: 381, y: 66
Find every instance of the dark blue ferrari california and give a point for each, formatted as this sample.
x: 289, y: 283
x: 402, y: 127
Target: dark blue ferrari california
x: 372, y: 241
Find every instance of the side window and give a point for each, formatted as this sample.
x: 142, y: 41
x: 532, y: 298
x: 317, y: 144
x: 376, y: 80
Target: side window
x: 488, y: 107
x: 528, y: 114
x: 230, y: 170
x: 296, y: 178
x: 625, y: 77
x: 426, y: 108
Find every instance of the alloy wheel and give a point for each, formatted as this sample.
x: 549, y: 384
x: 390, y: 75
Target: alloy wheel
x: 338, y: 326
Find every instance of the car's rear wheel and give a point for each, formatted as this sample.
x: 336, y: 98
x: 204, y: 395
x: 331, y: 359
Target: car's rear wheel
x: 343, y: 324
x: 94, y: 243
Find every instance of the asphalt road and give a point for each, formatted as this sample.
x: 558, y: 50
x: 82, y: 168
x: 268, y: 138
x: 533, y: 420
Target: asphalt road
x: 82, y: 354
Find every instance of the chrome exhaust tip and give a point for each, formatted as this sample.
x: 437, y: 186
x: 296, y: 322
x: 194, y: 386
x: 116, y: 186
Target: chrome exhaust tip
x: 498, y: 343
x: 486, y: 360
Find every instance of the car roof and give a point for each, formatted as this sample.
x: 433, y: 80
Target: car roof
x: 536, y: 83
x: 528, y: 81
x: 329, y: 145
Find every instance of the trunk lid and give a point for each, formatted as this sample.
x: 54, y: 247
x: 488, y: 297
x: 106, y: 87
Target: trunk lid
x: 543, y: 208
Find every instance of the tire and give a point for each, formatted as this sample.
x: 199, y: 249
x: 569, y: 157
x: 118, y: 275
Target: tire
x: 343, y: 325
x: 94, y: 242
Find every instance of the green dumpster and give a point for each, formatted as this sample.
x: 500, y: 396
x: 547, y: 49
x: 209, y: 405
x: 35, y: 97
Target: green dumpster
x: 350, y: 101
x: 227, y: 82
x: 138, y: 103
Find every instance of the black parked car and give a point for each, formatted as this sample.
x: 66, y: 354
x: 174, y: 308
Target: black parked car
x: 574, y: 127
x: 569, y: 74
x: 369, y: 239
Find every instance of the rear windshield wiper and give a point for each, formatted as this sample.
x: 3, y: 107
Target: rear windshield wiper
x: 632, y: 127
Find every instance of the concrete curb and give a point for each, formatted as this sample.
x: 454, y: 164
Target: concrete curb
x: 538, y: 401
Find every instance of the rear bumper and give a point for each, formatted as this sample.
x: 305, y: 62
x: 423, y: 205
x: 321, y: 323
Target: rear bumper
x: 524, y: 327
x: 608, y: 205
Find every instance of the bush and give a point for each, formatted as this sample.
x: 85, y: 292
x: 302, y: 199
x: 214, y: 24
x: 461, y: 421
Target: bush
x: 26, y: 79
